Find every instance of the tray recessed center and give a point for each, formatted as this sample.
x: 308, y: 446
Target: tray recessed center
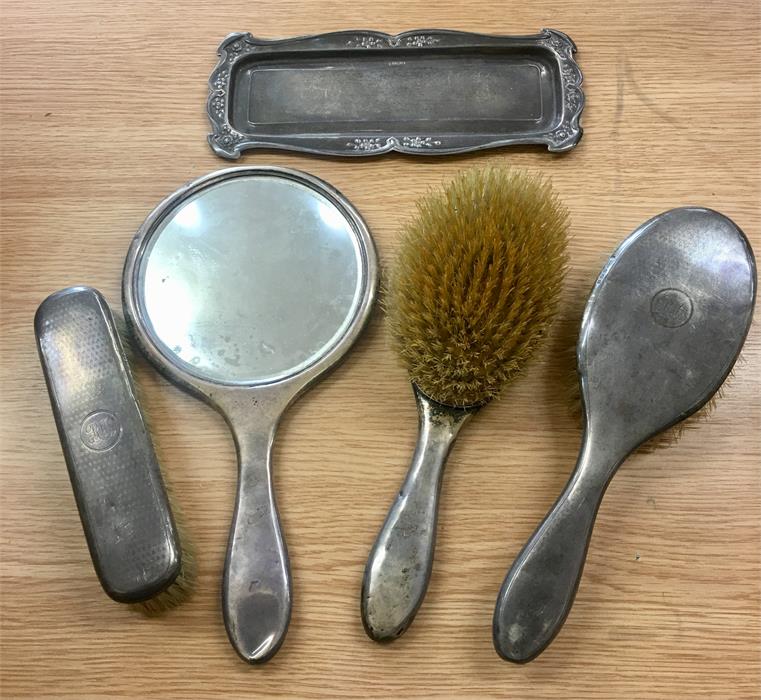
x: 405, y: 91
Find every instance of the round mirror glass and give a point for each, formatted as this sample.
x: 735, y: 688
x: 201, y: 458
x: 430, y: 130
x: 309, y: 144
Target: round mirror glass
x: 250, y: 279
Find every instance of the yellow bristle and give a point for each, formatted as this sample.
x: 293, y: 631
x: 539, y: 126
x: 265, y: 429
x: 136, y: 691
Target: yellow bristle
x: 476, y: 282
x: 566, y: 335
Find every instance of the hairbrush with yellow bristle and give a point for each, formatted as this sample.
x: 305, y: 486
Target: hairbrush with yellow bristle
x: 661, y: 331
x: 475, y: 285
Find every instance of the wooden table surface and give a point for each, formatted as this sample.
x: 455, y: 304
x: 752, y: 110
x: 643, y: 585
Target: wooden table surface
x: 103, y: 115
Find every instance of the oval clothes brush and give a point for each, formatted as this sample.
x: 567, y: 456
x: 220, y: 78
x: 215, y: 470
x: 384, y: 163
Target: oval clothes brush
x: 475, y: 284
x: 661, y: 331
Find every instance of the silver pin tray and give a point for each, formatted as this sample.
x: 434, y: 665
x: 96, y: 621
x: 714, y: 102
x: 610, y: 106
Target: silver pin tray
x: 360, y: 93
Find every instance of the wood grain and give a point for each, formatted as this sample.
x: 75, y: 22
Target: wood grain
x: 103, y: 115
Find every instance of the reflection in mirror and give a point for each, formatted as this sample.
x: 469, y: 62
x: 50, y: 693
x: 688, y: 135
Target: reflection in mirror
x: 251, y: 280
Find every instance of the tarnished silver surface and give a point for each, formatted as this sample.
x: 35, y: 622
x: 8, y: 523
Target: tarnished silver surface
x: 244, y: 287
x: 428, y: 91
x: 112, y: 466
x: 663, y: 327
x: 400, y: 562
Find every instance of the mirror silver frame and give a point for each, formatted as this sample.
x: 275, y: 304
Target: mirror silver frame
x: 256, y: 592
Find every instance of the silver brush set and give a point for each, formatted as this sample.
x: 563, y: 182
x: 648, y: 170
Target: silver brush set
x: 249, y: 284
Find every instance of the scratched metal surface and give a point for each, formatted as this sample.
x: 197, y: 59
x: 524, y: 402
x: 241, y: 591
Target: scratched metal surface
x: 112, y: 465
x: 103, y: 114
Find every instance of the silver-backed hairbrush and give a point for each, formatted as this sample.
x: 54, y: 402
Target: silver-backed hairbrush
x: 662, y: 329
x: 472, y: 292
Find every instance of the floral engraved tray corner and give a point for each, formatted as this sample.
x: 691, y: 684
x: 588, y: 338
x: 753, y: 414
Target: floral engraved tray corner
x: 362, y: 93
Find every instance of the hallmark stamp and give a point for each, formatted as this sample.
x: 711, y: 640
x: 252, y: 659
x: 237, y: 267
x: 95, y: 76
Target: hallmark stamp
x: 100, y: 431
x: 671, y: 308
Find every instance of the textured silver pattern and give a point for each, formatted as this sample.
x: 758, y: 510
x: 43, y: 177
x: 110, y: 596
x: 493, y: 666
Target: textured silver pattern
x: 112, y: 465
x: 663, y: 327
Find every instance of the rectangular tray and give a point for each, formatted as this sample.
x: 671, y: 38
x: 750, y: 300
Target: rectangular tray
x: 360, y: 93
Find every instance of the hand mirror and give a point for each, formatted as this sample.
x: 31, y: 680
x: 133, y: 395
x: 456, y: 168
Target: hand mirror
x: 244, y: 287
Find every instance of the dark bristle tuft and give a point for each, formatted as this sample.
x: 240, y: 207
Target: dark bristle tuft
x: 476, y: 283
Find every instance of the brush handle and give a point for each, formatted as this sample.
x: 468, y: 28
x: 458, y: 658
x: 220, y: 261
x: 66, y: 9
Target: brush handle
x: 540, y: 587
x: 256, y: 590
x: 400, y: 562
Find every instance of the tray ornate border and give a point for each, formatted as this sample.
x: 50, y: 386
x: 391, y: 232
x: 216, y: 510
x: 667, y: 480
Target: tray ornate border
x: 229, y: 143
